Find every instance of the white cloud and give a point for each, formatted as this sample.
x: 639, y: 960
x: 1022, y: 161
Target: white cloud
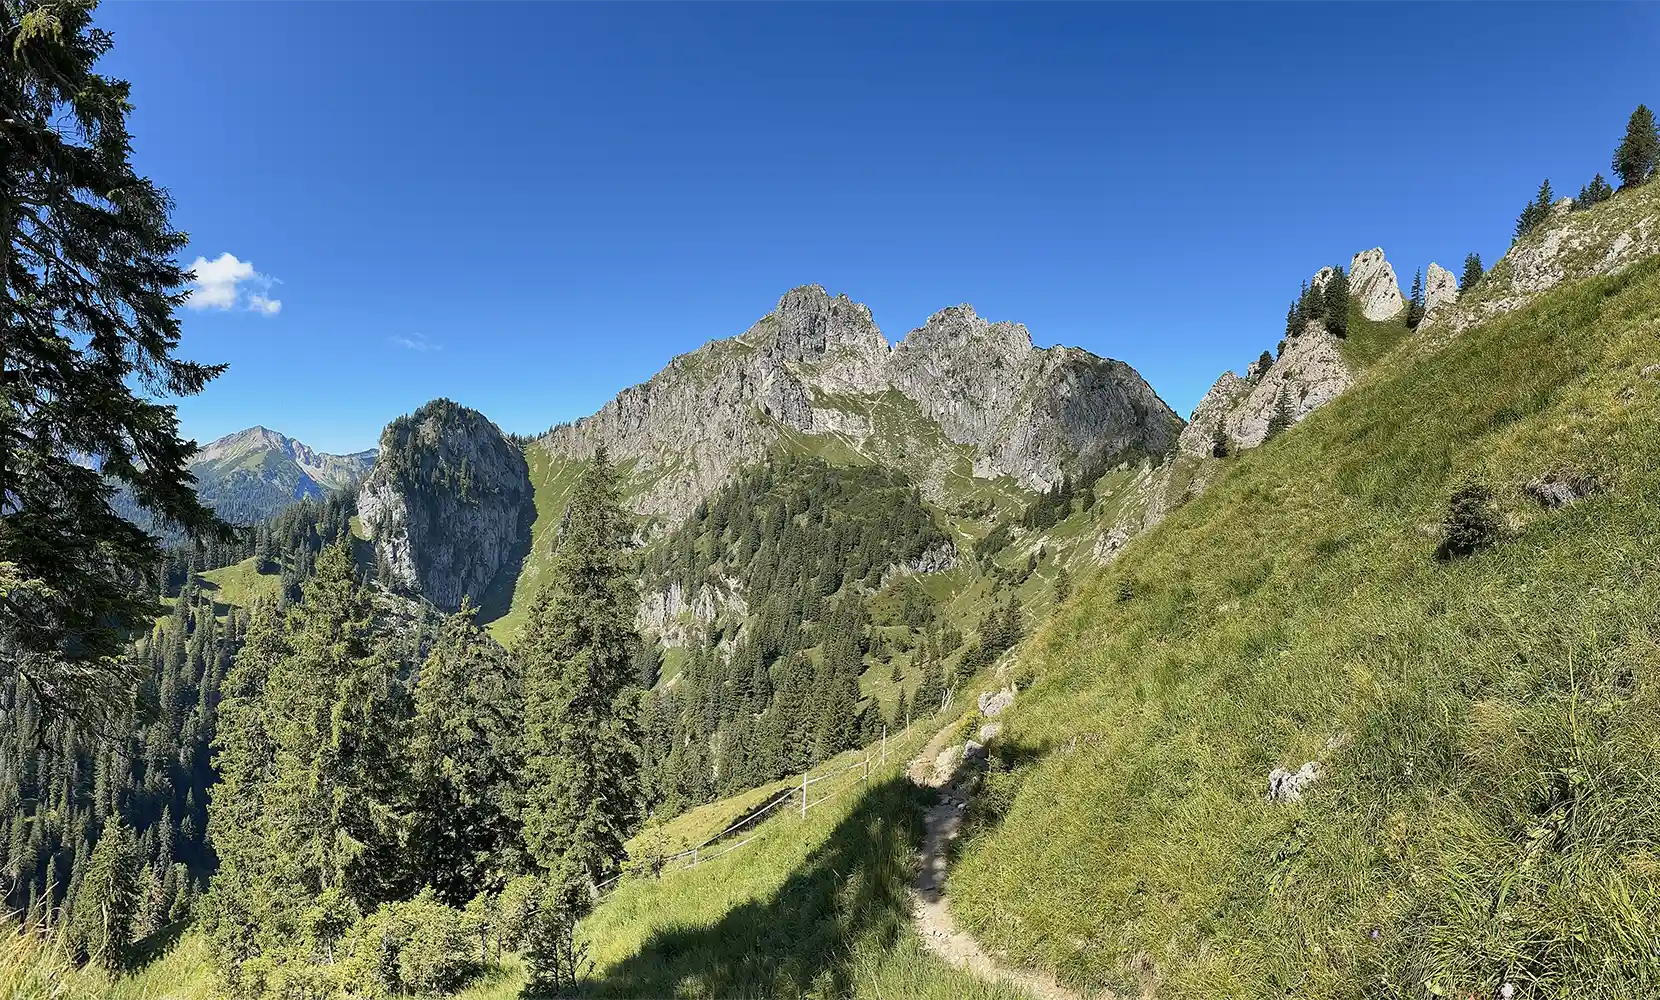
x: 226, y: 283
x: 415, y: 342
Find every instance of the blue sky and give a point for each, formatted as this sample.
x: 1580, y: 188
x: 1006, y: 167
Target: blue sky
x: 528, y: 207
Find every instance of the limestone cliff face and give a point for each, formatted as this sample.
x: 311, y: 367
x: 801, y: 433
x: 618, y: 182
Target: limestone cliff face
x: 1199, y: 436
x: 1307, y: 375
x: 1025, y: 412
x: 1440, y: 290
x: 1372, y: 284
x: 447, y: 504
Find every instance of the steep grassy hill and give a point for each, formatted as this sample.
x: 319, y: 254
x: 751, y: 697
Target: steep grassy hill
x: 1488, y: 726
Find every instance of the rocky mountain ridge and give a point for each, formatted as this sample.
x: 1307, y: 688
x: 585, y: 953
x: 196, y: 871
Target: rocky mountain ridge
x: 253, y: 474
x: 325, y: 471
x: 1024, y: 412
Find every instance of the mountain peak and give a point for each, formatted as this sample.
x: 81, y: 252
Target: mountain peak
x: 959, y: 327
x: 808, y: 324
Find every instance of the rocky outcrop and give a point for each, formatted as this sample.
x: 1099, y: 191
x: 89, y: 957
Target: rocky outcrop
x: 936, y: 559
x: 1372, y: 284
x: 1199, y: 436
x: 1027, y: 412
x: 1289, y: 786
x: 677, y: 620
x: 1440, y: 290
x: 1024, y: 412
x: 1567, y: 246
x: 448, y: 504
x: 1307, y: 375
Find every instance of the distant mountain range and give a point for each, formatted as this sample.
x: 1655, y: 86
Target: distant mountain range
x: 252, y: 474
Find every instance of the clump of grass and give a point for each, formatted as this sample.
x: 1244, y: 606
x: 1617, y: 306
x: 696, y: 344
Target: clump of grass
x: 1473, y: 522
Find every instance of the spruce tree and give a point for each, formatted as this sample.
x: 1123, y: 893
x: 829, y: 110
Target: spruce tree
x: 1335, y: 307
x: 464, y: 762
x: 581, y: 733
x: 1536, y: 211
x: 1593, y: 193
x: 1415, y: 304
x: 107, y: 902
x: 1282, y: 418
x: 88, y: 290
x: 1265, y: 361
x: 1638, y: 153
x: 1472, y: 273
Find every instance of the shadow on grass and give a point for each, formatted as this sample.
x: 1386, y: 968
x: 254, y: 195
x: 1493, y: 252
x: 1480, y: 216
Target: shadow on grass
x: 849, y: 897
x: 149, y: 949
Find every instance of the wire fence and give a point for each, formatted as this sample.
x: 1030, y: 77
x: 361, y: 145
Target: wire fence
x: 797, y: 795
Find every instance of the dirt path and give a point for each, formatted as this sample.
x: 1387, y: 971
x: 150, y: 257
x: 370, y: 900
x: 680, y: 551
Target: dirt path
x: 930, y: 912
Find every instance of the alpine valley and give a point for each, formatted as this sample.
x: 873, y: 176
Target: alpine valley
x: 823, y: 664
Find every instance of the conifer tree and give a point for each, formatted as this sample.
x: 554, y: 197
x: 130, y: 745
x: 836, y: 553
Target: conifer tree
x: 581, y: 731
x: 1265, y: 361
x: 1472, y: 273
x: 1062, y: 585
x: 1335, y: 308
x: 107, y: 901
x: 1536, y: 211
x: 1593, y: 193
x: 464, y: 763
x: 88, y: 292
x: 1221, y: 445
x: 1282, y: 418
x: 1638, y: 153
x: 1415, y: 303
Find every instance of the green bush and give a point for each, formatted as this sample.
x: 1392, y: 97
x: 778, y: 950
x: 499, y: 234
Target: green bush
x: 418, y: 947
x: 1473, y: 522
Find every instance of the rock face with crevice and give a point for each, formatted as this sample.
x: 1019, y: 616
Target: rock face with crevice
x: 1021, y: 411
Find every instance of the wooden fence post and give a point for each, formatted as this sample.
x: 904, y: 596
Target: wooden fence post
x: 804, y: 795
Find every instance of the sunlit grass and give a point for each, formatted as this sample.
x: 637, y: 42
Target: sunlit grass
x: 1490, y: 727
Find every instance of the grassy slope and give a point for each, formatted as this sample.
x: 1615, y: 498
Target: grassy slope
x: 552, y: 479
x: 1488, y: 726
x: 240, y: 583
x: 33, y: 969
x: 811, y: 908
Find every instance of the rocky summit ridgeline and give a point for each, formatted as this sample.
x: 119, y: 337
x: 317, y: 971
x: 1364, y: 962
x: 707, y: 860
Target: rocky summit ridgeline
x: 1024, y: 412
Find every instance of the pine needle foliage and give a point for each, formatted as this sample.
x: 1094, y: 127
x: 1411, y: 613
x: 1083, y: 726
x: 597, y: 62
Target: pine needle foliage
x: 582, y: 743
x: 89, y: 286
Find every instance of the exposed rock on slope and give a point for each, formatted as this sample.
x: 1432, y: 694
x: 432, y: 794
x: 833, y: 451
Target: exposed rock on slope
x: 448, y: 503
x: 1028, y: 412
x: 1567, y: 246
x: 1373, y: 285
x: 1440, y: 290
x: 1309, y: 373
x: 1025, y: 412
x: 1199, y: 436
